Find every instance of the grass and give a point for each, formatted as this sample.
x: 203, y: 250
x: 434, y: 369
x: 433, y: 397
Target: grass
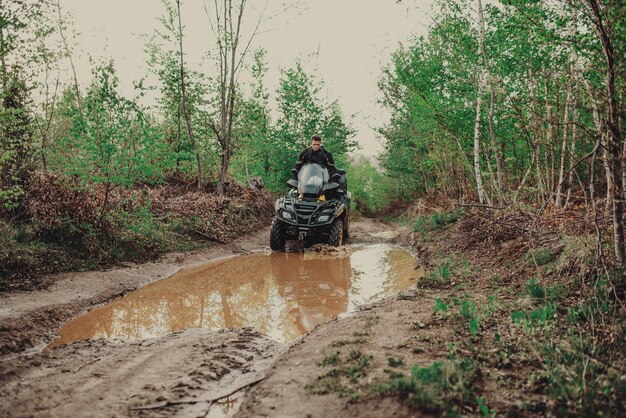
x: 539, y: 256
x: 426, y: 224
x: 344, y: 373
x: 395, y: 362
x: 440, y: 277
x: 443, y: 386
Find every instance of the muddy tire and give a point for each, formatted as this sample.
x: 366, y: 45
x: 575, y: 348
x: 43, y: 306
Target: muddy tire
x: 346, y: 226
x: 278, y: 235
x: 336, y: 233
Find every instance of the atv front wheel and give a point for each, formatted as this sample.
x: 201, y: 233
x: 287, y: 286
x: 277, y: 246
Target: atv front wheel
x: 346, y: 226
x: 336, y: 233
x: 278, y: 235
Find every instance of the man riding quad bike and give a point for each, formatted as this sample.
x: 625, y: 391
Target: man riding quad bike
x: 317, y: 208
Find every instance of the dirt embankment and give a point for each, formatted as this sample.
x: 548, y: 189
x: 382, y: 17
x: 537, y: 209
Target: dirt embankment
x: 183, y: 374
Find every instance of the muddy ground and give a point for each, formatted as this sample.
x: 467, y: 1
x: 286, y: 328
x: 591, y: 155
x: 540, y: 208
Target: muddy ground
x: 190, y: 373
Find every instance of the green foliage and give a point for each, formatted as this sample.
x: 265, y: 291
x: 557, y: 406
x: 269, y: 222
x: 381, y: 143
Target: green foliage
x: 540, y: 293
x: 578, y: 383
x: 538, y: 316
x: 440, y: 277
x: 111, y: 141
x: 440, y: 387
x: 16, y: 146
x: 164, y: 61
x: 437, y: 220
x: 470, y: 313
x: 483, y: 408
x: 302, y: 112
x: 440, y: 306
x: 395, y: 362
x: 539, y: 256
x: 343, y: 377
x: 368, y: 186
x: 431, y: 89
x: 140, y: 233
x: 535, y: 290
x: 593, y: 309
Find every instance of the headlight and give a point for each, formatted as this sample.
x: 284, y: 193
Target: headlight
x: 323, y: 218
x: 287, y: 216
x: 277, y: 204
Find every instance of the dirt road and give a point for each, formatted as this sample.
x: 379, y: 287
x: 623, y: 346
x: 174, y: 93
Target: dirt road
x: 190, y: 373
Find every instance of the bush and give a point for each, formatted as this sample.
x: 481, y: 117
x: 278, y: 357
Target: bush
x: 368, y: 186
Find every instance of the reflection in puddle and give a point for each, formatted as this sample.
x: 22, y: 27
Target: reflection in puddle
x: 283, y: 295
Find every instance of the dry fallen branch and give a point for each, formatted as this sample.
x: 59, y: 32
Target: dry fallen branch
x: 210, y: 400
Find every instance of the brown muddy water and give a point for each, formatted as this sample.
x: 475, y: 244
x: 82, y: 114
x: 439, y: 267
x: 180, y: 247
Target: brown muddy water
x: 283, y: 295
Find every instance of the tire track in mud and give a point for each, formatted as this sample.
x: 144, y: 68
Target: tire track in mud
x: 177, y: 375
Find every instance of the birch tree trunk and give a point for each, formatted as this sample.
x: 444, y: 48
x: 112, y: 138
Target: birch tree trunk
x: 482, y: 195
x: 566, y: 122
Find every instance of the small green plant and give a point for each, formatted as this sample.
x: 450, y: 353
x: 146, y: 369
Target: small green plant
x: 474, y: 324
x: 541, y: 293
x: 536, y: 290
x: 395, y: 362
x: 345, y: 372
x: 440, y: 219
x: 331, y: 360
x: 444, y: 271
x: 434, y: 222
x: 576, y: 384
x: 441, y: 387
x: 468, y: 309
x: 491, y: 306
x: 483, y: 408
x: 538, y: 316
x: 440, y: 307
x: 439, y: 278
x: 469, y: 312
x: 539, y: 256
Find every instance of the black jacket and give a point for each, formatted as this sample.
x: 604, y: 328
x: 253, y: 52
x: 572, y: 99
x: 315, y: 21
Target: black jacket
x: 320, y: 156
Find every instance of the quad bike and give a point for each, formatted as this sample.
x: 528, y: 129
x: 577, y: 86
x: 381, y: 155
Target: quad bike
x: 317, y: 208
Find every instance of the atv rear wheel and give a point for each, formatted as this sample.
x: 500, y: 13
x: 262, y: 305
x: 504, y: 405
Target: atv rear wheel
x: 336, y: 233
x: 278, y: 235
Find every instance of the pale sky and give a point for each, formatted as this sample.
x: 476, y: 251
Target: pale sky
x: 353, y: 38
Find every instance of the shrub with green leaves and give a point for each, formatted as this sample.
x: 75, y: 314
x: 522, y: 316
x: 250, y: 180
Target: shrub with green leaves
x: 436, y: 221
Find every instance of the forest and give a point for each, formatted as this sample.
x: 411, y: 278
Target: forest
x: 510, y: 108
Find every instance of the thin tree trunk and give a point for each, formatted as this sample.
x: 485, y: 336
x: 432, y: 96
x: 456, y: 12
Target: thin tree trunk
x: 492, y: 98
x: 494, y: 144
x: 615, y: 146
x: 68, y: 53
x: 184, y: 98
x: 482, y: 195
x: 3, y: 64
x: 566, y: 123
x: 536, y: 145
x: 572, y: 153
x: 549, y: 141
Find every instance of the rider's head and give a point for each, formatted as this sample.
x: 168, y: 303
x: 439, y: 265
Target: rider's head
x: 316, y: 142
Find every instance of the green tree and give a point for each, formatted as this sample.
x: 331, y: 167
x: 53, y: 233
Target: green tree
x: 253, y: 129
x: 302, y: 112
x: 16, y: 146
x: 111, y: 141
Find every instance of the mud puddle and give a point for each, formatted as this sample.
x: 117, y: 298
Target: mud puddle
x: 283, y: 295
